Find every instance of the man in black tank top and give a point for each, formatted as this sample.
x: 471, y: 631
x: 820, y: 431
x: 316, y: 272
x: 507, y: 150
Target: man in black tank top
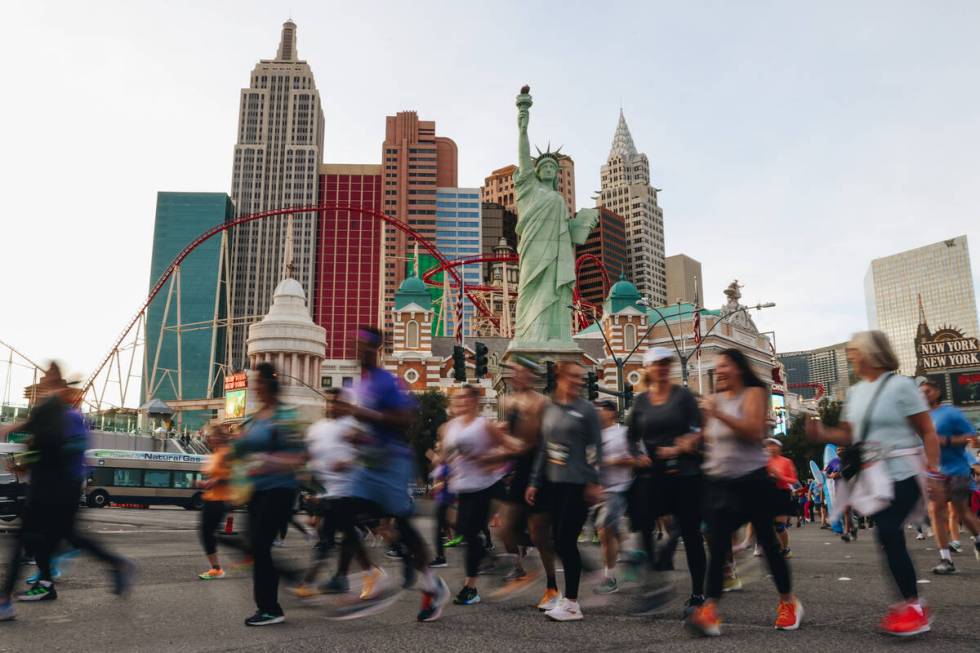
x: 523, y: 409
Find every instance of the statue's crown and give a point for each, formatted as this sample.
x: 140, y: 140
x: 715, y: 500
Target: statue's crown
x: 555, y: 156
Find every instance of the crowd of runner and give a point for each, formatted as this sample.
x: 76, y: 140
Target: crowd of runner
x: 703, y: 471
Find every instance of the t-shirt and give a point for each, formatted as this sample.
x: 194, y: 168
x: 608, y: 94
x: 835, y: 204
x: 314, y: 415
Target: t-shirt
x: 889, y: 427
x: 466, y: 443
x: 571, y: 445
x: 271, y: 435
x: 57, y: 443
x: 784, y: 470
x: 380, y: 391
x: 614, y: 478
x: 327, y: 443
x: 218, y: 470
x: 950, y: 421
x: 660, y: 426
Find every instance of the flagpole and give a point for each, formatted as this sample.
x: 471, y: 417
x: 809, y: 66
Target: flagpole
x: 697, y: 309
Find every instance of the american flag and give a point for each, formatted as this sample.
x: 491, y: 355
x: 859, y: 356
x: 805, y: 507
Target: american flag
x: 697, y: 323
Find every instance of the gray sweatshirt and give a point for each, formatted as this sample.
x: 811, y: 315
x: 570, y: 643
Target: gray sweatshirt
x: 571, y: 445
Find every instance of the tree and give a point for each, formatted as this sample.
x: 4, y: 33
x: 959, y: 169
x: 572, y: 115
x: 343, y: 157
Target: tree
x: 798, y: 448
x: 422, y: 433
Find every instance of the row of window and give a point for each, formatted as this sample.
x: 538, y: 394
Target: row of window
x: 151, y: 478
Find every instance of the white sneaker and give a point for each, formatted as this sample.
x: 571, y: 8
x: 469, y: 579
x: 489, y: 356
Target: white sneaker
x: 565, y: 611
x: 757, y: 552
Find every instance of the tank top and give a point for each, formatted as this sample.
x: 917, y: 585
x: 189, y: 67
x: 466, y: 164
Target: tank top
x: 728, y: 455
x: 468, y: 443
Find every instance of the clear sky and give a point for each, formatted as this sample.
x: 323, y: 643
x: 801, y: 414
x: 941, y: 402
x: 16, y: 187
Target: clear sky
x: 794, y: 142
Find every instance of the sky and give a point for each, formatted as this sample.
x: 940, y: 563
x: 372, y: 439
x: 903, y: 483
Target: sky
x: 794, y: 142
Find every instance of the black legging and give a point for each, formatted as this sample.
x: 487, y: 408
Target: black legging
x: 474, y: 512
x: 732, y: 502
x: 681, y: 497
x: 891, y: 536
x: 442, y: 524
x: 268, y: 511
x: 569, y: 511
x: 211, y: 516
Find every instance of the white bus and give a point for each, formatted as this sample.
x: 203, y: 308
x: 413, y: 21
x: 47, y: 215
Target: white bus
x: 143, y: 477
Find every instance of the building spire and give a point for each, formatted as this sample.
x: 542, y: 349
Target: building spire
x: 922, y: 330
x: 287, y: 256
x: 622, y: 144
x: 287, y: 42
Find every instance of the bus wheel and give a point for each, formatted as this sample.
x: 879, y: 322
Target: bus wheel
x: 196, y: 502
x: 98, y: 499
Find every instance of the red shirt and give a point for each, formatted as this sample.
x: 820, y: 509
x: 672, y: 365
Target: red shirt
x: 784, y: 471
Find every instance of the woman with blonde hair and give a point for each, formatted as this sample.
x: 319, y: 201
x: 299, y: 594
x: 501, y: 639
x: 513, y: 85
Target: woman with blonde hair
x: 886, y: 419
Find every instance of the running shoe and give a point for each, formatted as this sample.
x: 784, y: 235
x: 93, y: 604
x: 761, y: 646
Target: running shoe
x: 212, y: 574
x: 336, y: 585
x: 731, y: 584
x: 704, y: 621
x: 550, y: 600
x: 123, y: 575
x: 906, y: 620
x: 757, y: 551
x: 7, y: 612
x: 566, y: 610
x: 264, y: 619
x: 607, y: 586
x: 516, y: 573
x: 956, y: 547
x: 36, y: 576
x: 39, y: 592
x: 370, y: 586
x: 433, y: 603
x: 944, y: 568
x: 846, y: 537
x: 691, y: 605
x: 516, y: 585
x: 304, y: 591
x: 456, y: 541
x: 787, y: 553
x: 467, y: 596
x: 438, y: 562
x: 789, y: 615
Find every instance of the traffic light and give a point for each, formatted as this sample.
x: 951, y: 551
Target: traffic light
x: 481, y: 360
x: 549, y: 378
x: 459, y: 364
x: 592, y: 383
x: 627, y: 395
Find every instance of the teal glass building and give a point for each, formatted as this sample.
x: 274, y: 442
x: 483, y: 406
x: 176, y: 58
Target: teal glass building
x: 180, y: 218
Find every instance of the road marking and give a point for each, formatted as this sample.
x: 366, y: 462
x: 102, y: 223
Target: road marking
x: 923, y: 581
x: 844, y: 578
x: 148, y: 530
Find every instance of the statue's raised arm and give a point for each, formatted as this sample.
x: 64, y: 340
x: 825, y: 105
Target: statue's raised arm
x: 523, y: 115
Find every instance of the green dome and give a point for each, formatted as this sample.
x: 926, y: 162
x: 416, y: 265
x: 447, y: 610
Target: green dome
x: 623, y: 294
x: 413, y: 291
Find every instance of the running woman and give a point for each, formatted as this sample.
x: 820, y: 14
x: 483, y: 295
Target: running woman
x: 55, y: 455
x: 739, y: 489
x: 380, y: 484
x: 616, y: 475
x: 955, y: 431
x: 524, y: 408
x: 272, y: 440
x: 467, y: 439
x: 666, y: 422
x: 783, y: 472
x: 217, y: 494
x: 571, y: 447
x: 887, y: 411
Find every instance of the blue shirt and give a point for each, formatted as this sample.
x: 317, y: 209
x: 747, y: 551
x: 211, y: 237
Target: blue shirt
x: 278, y: 434
x: 950, y: 421
x: 380, y: 391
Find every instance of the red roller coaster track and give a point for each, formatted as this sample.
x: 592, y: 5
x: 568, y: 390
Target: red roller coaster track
x: 444, y: 264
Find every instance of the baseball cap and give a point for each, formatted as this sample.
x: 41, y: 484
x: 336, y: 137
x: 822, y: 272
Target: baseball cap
x: 774, y: 441
x: 657, y: 354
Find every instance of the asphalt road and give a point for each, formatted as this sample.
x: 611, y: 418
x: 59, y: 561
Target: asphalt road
x: 841, y: 585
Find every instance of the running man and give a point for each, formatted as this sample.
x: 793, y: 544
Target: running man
x: 571, y: 447
x: 55, y: 455
x: 616, y: 476
x: 955, y: 431
x: 783, y: 471
x: 523, y: 408
x: 380, y: 484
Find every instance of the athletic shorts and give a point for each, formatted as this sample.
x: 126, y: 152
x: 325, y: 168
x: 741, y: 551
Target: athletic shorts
x: 386, y: 488
x: 613, y: 509
x: 958, y: 489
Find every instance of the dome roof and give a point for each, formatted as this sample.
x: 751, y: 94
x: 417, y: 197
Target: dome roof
x: 622, y: 295
x: 289, y: 288
x: 413, y: 291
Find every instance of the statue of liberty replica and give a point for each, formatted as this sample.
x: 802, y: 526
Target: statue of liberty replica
x: 547, y: 236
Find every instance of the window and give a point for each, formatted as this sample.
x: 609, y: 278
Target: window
x: 126, y: 477
x: 184, y: 480
x: 156, y: 478
x: 99, y: 476
x: 412, y: 335
x: 629, y: 336
x: 347, y: 382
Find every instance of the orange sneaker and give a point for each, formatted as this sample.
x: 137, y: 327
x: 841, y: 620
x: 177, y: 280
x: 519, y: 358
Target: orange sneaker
x: 371, y: 581
x: 907, y: 620
x: 212, y: 574
x: 304, y: 591
x: 704, y: 621
x: 789, y: 614
x: 550, y: 600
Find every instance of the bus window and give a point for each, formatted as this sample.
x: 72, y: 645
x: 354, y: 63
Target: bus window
x: 99, y: 476
x: 127, y: 477
x: 184, y: 480
x: 156, y: 478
